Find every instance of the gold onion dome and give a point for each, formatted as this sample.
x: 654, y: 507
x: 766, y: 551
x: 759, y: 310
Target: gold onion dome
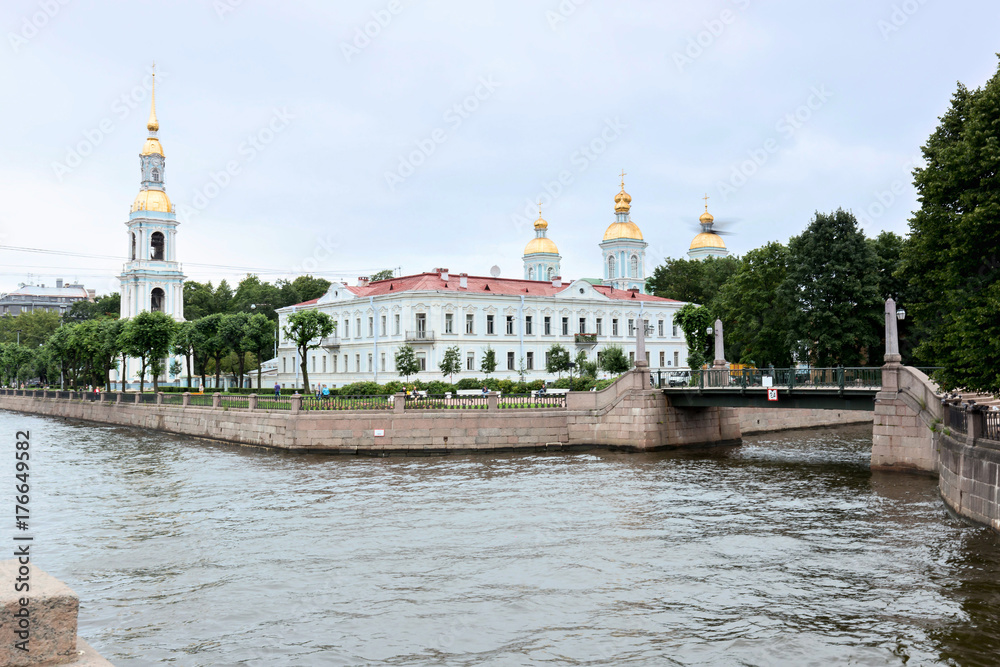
x: 623, y: 201
x: 540, y: 223
x: 541, y: 245
x: 706, y: 217
x: 623, y: 230
x: 708, y: 240
x: 152, y: 200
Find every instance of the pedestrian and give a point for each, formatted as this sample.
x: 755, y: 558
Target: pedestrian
x: 277, y: 390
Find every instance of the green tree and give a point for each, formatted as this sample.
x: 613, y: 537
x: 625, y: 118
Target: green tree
x: 233, y: 331
x: 31, y: 329
x: 691, y: 280
x: 184, y: 345
x: 103, y: 306
x: 107, y: 346
x: 198, y: 300
x: 753, y: 310
x: 832, y: 289
x: 208, y: 344
x: 488, y: 364
x: 147, y: 337
x: 557, y: 359
x: 451, y: 362
x: 586, y: 367
x: 307, y: 329
x: 694, y: 321
x: 256, y: 296
x: 952, y: 259
x: 384, y: 274
x: 260, y: 339
x: 406, y: 362
x: 612, y: 360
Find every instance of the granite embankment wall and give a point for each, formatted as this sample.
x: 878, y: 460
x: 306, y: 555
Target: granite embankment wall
x: 969, y: 469
x: 626, y: 415
x: 768, y: 420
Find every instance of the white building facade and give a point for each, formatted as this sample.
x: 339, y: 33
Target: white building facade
x: 519, y: 319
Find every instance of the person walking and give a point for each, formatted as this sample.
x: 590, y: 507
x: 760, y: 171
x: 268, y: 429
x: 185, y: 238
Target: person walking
x: 277, y: 390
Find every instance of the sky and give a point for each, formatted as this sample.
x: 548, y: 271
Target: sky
x: 340, y: 138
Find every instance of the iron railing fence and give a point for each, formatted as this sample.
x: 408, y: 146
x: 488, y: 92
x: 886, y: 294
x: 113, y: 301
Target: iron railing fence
x: 955, y: 418
x: 235, y: 401
x: 991, y: 425
x: 527, y: 401
x: 147, y: 398
x: 173, y: 399
x: 835, y: 378
x: 201, y: 400
x: 272, y: 403
x: 347, y: 403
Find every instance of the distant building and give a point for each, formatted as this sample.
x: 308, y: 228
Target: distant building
x: 58, y: 299
x: 708, y: 243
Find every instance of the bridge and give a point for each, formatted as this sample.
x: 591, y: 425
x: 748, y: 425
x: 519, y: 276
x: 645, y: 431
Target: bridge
x: 785, y: 388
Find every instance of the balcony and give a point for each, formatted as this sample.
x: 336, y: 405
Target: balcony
x: 585, y: 338
x: 330, y: 342
x: 420, y: 336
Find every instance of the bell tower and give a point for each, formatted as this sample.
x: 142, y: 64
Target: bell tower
x: 152, y: 279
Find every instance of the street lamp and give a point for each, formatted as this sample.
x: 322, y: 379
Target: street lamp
x: 900, y: 314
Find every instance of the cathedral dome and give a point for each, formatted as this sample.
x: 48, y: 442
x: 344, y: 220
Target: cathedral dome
x: 541, y: 245
x: 623, y: 201
x: 623, y: 230
x: 706, y: 218
x: 707, y: 240
x: 541, y: 223
x: 152, y: 200
x: 152, y: 147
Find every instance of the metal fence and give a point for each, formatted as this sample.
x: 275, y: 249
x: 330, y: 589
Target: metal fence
x: 527, y: 401
x: 446, y: 402
x: 201, y: 400
x: 235, y: 401
x: 272, y: 403
x: 173, y: 399
x: 991, y: 425
x: 838, y: 378
x: 955, y: 418
x: 347, y: 403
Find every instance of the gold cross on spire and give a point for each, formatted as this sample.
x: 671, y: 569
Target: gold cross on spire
x: 539, y: 208
x: 153, y: 125
x: 623, y: 178
x: 706, y: 202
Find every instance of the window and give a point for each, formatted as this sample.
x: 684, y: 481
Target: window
x: 597, y: 326
x: 510, y: 361
x: 369, y: 362
x: 381, y: 329
x: 659, y: 328
x: 530, y: 361
x: 357, y: 323
x: 647, y: 359
x: 531, y: 274
x: 510, y: 325
x: 583, y: 325
x: 381, y: 363
x: 284, y: 364
x: 346, y: 368
x: 449, y: 323
x: 614, y: 326
x: 634, y: 267
x: 676, y: 358
x: 347, y: 330
x: 489, y: 324
x: 156, y: 246
x: 422, y: 360
x: 631, y: 327
x: 527, y: 325
x: 547, y: 358
x: 648, y: 330
x: 395, y: 324
x: 324, y: 363
x: 314, y: 363
x: 565, y: 326
x: 470, y: 362
x: 357, y: 363
x: 470, y: 324
x: 675, y: 330
x: 631, y: 358
x: 547, y: 324
x: 371, y: 327
x: 156, y: 175
x: 156, y: 299
x: 334, y: 363
x: 611, y: 267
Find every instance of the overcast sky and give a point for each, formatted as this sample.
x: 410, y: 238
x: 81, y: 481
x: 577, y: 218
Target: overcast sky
x: 422, y: 143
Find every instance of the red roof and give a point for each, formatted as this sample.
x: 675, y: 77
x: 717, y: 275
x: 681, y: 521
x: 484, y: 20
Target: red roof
x: 432, y: 282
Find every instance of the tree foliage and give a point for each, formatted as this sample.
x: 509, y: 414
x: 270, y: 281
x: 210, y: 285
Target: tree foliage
x: 557, y: 359
x: 384, y: 274
x: 406, y: 362
x: 451, y: 362
x: 147, y: 337
x: 613, y: 360
x: 488, y: 364
x: 694, y: 322
x: 952, y: 259
x: 306, y: 329
x: 691, y: 280
x: 832, y: 291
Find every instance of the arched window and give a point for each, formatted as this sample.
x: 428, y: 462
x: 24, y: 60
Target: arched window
x: 133, y: 245
x: 531, y: 274
x: 634, y: 268
x: 156, y: 175
x: 156, y: 300
x: 611, y: 267
x: 156, y: 246
x: 551, y: 273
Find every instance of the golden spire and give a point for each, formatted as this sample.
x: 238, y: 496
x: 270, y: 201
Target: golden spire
x: 153, y: 125
x: 623, y: 201
x: 706, y: 217
x: 540, y: 223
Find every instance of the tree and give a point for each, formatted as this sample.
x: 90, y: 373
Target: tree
x: 208, y: 344
x: 147, y: 337
x: 489, y: 361
x: 103, y: 306
x: 694, y: 321
x: 199, y: 300
x: 753, y: 311
x: 307, y: 329
x: 406, y: 362
x: 587, y: 368
x: 691, y: 280
x: 557, y: 359
x: 30, y: 329
x: 175, y: 368
x: 256, y: 296
x: 260, y: 339
x: 451, y: 363
x: 384, y: 274
x: 108, y: 346
x: 233, y: 331
x: 613, y: 360
x: 951, y: 258
x: 184, y: 344
x: 832, y: 290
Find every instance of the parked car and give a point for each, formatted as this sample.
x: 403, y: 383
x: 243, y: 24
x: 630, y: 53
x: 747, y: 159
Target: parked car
x: 679, y: 379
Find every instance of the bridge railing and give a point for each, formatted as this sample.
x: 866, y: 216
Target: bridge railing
x: 789, y: 378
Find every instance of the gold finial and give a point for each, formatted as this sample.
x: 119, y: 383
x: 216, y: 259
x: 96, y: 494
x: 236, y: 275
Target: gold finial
x: 706, y: 202
x: 623, y: 180
x: 539, y: 208
x: 153, y: 125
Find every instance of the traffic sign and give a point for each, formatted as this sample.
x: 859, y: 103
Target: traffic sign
x: 772, y: 394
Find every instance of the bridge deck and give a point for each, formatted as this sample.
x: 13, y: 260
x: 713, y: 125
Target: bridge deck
x: 822, y: 398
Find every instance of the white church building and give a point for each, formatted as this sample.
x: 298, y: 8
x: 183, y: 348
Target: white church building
x: 520, y: 319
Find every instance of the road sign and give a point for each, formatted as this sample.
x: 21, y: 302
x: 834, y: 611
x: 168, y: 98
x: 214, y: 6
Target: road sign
x: 772, y: 394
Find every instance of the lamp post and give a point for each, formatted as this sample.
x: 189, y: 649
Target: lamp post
x: 892, y: 315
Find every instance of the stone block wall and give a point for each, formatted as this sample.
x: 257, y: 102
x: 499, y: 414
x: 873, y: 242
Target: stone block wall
x: 906, y: 412
x: 767, y: 420
x: 970, y: 479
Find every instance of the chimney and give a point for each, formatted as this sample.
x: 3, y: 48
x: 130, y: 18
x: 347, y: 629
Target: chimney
x: 463, y: 280
x: 58, y: 282
x: 444, y: 274
x: 363, y: 281
x: 557, y: 281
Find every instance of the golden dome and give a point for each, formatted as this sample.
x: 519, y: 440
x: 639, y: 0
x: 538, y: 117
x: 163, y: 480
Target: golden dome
x: 706, y: 240
x: 623, y: 201
x: 540, y: 223
x: 540, y: 245
x: 623, y: 230
x: 152, y: 147
x: 152, y: 200
x: 706, y: 218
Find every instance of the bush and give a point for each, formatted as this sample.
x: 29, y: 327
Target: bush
x: 362, y: 389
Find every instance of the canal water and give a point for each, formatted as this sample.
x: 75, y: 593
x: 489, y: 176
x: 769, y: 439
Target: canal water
x: 785, y: 551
